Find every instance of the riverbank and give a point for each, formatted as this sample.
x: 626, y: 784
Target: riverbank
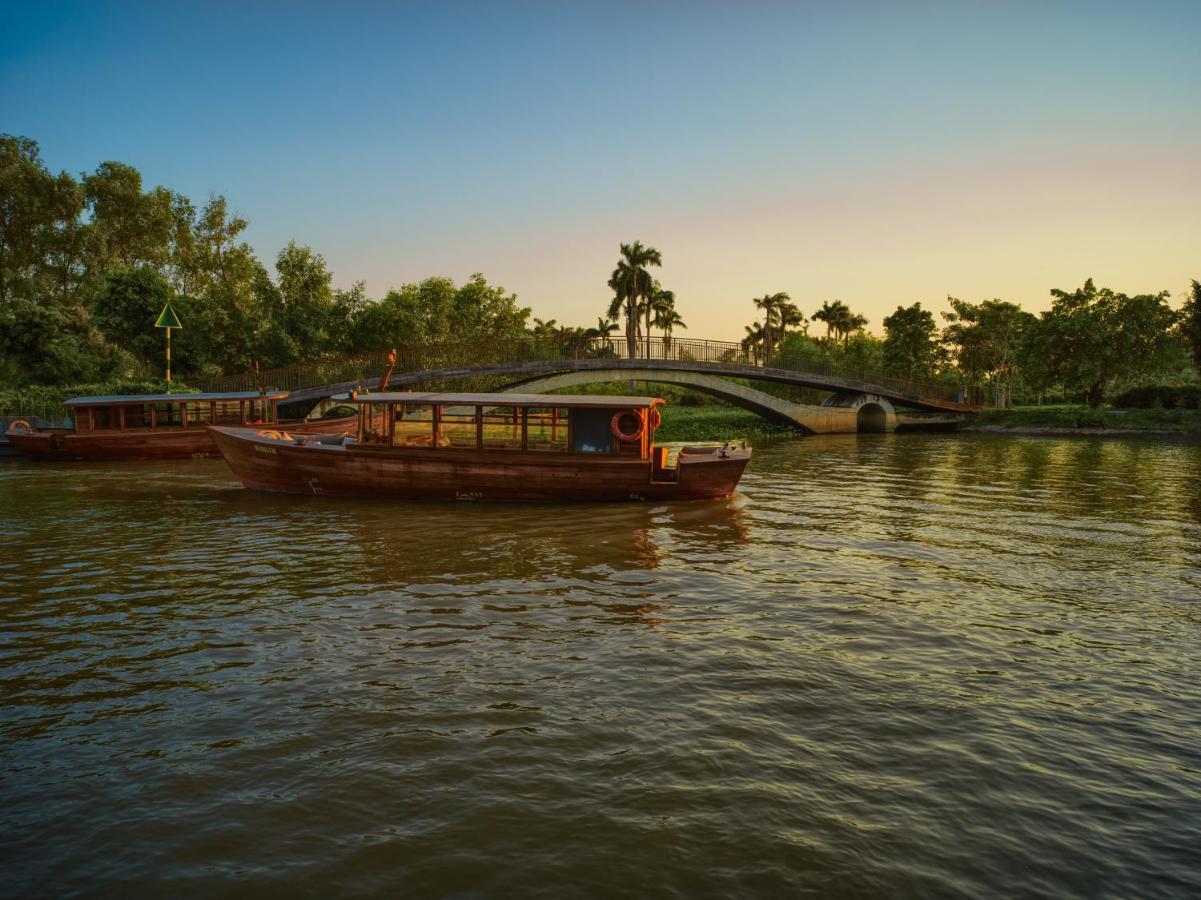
x: 1068, y: 420
x: 715, y: 423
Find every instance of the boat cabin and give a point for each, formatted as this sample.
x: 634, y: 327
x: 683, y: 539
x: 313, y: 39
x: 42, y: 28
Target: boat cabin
x: 597, y: 425
x: 170, y: 412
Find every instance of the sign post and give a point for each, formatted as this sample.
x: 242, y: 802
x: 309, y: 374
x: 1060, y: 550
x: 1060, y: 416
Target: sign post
x: 168, y: 319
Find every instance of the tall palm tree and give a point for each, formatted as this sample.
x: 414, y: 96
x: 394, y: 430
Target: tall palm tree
x: 849, y: 324
x: 658, y: 303
x: 667, y: 319
x: 789, y: 316
x: 771, y: 305
x: 753, y: 342
x: 834, y: 315
x: 632, y: 284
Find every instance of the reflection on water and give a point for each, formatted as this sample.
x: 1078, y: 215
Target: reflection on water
x: 894, y: 664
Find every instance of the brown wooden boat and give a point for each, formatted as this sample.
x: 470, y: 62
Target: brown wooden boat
x: 158, y: 426
x: 525, y: 447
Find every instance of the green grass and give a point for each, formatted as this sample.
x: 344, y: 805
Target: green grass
x: 1184, y: 421
x: 714, y: 423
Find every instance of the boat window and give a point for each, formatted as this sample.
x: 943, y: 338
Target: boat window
x: 546, y: 428
x: 137, y: 415
x: 229, y: 412
x: 168, y: 415
x: 456, y: 426
x: 375, y: 423
x: 258, y: 412
x: 199, y: 414
x: 104, y: 418
x: 500, y: 428
x: 591, y: 431
x: 414, y: 425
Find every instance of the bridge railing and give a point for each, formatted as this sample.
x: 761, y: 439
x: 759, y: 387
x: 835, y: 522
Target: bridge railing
x: 366, y: 368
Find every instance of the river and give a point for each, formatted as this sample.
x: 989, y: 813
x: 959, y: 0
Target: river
x: 911, y: 665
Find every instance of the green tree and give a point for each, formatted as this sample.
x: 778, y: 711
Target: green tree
x: 632, y: 285
x: 772, y: 306
x: 436, y: 311
x: 128, y: 227
x: 38, y: 212
x: 984, y: 339
x: 125, y: 309
x: 910, y: 342
x: 1092, y: 337
x: 1190, y: 323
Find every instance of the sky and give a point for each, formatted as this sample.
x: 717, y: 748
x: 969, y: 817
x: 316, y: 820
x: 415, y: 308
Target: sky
x: 879, y: 153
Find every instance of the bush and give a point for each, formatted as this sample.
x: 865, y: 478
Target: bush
x: 46, y: 402
x: 1164, y: 396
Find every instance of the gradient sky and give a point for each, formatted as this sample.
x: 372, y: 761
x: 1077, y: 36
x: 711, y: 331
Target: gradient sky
x: 878, y: 153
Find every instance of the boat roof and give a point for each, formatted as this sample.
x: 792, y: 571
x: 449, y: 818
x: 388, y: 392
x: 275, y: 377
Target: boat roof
x: 117, y: 399
x: 602, y: 401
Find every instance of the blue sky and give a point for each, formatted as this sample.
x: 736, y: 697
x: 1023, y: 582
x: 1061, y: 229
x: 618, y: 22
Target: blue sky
x: 875, y: 152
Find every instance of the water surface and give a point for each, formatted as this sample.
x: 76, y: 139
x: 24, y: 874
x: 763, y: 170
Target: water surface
x: 893, y: 665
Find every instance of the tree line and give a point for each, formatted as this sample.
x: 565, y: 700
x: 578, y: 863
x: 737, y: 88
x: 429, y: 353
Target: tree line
x: 87, y: 263
x: 1090, y: 344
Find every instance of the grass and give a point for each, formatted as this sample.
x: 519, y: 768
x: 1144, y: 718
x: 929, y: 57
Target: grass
x: 715, y: 423
x: 1076, y: 418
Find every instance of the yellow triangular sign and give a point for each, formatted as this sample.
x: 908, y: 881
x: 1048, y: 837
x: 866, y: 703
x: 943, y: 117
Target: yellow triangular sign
x: 167, y: 318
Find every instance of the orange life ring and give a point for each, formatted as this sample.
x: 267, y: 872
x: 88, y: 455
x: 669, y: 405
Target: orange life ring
x: 615, y: 426
x: 654, y: 418
x: 20, y: 423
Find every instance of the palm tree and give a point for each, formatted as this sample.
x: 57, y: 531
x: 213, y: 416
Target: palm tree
x: 789, y: 316
x: 753, y: 340
x: 833, y: 314
x: 604, y: 328
x: 656, y: 305
x: 632, y: 283
x: 544, y: 329
x: 849, y: 324
x: 667, y: 319
x: 771, y: 305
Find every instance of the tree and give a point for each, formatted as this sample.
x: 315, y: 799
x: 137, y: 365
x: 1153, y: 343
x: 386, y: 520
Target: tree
x: 834, y: 315
x: 985, y: 338
x: 128, y: 227
x: 36, y: 208
x: 1190, y: 323
x: 125, y: 310
x: 752, y: 344
x: 436, y: 311
x: 910, y: 342
x: 667, y: 320
x: 1093, y: 336
x: 772, y: 306
x: 632, y: 285
x: 604, y: 328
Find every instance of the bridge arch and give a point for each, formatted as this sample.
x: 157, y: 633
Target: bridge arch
x: 770, y: 407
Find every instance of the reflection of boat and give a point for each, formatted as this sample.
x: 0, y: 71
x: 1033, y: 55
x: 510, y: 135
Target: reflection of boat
x: 487, y: 447
x: 157, y: 426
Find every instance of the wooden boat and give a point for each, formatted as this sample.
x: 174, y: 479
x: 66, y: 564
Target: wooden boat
x: 158, y: 426
x: 522, y: 447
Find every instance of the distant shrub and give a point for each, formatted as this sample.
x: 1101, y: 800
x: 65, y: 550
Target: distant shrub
x: 1163, y: 396
x: 47, y: 401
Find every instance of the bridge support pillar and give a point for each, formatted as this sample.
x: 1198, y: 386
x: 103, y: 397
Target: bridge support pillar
x: 871, y: 411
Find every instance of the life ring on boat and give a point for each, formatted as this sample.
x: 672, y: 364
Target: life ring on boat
x: 618, y: 432
x: 654, y: 418
x: 21, y: 424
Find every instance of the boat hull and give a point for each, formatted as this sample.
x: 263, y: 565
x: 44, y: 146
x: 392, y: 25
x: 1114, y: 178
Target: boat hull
x: 267, y: 463
x: 140, y: 445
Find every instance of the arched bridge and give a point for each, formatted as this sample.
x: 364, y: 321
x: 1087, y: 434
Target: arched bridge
x: 707, y: 366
